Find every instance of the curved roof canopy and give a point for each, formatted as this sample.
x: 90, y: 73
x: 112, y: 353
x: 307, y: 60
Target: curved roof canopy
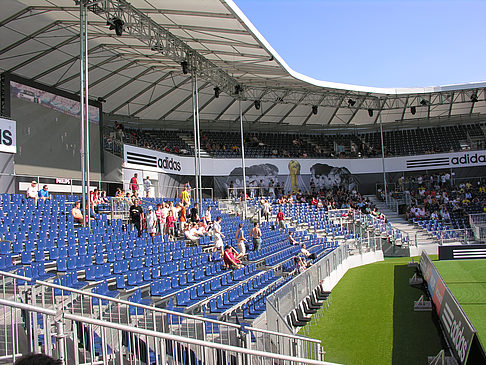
x: 139, y: 73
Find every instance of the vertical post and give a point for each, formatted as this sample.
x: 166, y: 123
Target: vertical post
x: 195, y: 138
x: 242, y: 159
x: 198, y: 141
x: 383, y: 161
x: 81, y: 107
x: 86, y: 114
x: 60, y: 342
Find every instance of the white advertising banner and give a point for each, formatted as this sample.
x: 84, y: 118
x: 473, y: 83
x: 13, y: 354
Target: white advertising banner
x: 145, y: 159
x: 8, y: 136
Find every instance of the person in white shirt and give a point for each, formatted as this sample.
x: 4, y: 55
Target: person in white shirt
x: 218, y: 236
x: 193, y: 233
x: 151, y: 218
x: 32, y: 192
x: 207, y: 216
x: 147, y: 185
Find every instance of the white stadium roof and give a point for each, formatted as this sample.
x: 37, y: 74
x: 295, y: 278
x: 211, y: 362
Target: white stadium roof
x: 139, y: 74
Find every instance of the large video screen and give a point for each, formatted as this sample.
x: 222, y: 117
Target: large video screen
x: 49, y: 131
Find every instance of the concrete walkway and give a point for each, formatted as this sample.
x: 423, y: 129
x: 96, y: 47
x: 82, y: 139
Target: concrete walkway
x: 417, y: 235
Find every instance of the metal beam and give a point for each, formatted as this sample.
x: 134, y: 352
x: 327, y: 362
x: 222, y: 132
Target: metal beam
x: 337, y: 109
x: 91, y: 68
x: 149, y: 32
x: 244, y: 112
x: 141, y: 92
x: 403, y: 111
x: 28, y: 37
x: 264, y: 113
x: 112, y: 73
x: 44, y: 53
x: 126, y: 83
x: 181, y: 102
x: 225, y: 109
x: 161, y: 96
x: 67, y: 62
x: 307, y: 119
x: 451, y: 104
x: 356, y: 110
x: 16, y: 15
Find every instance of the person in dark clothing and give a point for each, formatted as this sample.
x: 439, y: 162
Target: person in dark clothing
x: 195, y: 213
x: 136, y: 216
x: 37, y: 359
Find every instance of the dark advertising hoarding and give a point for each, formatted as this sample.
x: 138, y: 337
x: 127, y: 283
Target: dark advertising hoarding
x: 458, y: 330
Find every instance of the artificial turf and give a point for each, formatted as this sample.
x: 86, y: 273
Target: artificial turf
x: 467, y: 281
x: 371, y: 319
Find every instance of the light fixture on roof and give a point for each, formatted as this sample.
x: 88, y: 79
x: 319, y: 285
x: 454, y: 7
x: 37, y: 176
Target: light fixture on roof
x: 424, y: 102
x: 370, y: 112
x: 351, y: 102
x: 101, y: 100
x: 257, y: 104
x: 314, y: 109
x: 116, y: 24
x: 474, y: 98
x: 217, y: 91
x: 185, y: 67
x: 238, y: 89
x: 413, y: 110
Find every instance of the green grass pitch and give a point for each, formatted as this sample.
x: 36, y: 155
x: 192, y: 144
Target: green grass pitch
x: 371, y: 319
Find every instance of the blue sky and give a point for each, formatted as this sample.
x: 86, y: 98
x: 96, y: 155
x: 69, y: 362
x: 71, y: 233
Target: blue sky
x: 381, y: 43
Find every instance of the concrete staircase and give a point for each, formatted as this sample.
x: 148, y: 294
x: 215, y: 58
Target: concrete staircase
x: 190, y: 141
x: 420, y: 240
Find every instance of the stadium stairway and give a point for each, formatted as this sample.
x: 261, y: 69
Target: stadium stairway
x: 189, y: 139
x: 420, y: 240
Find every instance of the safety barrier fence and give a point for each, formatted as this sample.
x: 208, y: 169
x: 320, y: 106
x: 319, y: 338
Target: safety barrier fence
x: 283, y: 301
x: 103, y: 324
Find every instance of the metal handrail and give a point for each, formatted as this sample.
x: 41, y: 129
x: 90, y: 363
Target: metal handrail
x: 155, y: 309
x: 161, y: 335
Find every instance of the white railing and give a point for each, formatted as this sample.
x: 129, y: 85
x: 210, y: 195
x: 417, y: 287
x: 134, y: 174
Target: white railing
x: 478, y: 226
x: 78, y: 339
x: 82, y: 303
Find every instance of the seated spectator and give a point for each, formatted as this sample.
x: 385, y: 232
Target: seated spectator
x: 76, y: 213
x: 32, y: 192
x: 306, y: 253
x: 230, y: 259
x: 192, y: 233
x: 44, y: 193
x: 292, y: 240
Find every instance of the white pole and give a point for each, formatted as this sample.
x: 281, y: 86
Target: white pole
x: 383, y: 161
x: 198, y: 142
x: 81, y: 107
x: 195, y: 138
x: 86, y: 114
x: 242, y: 159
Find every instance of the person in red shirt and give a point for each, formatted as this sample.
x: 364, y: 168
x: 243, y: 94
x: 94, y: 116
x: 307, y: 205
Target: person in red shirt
x: 280, y: 219
x: 160, y: 219
x: 134, y: 183
x: 230, y: 259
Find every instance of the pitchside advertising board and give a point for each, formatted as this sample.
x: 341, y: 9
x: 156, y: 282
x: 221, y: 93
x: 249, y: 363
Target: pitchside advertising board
x: 8, y: 136
x: 145, y: 159
x: 458, y: 330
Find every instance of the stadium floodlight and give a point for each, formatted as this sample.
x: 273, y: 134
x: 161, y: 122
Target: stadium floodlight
x: 257, y: 104
x: 413, y: 110
x: 424, y: 102
x: 116, y: 24
x: 351, y: 102
x: 314, y: 109
x: 217, y: 91
x: 185, y: 67
x: 474, y: 98
x: 238, y: 89
x: 370, y: 112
